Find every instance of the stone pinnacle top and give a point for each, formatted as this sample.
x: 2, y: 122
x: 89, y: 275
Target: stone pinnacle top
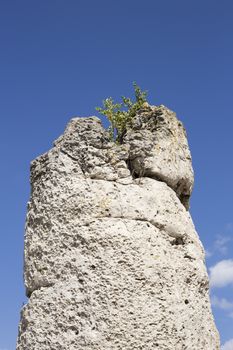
x: 155, y: 146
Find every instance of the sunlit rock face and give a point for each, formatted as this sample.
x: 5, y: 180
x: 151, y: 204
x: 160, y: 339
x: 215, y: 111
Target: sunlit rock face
x: 112, y: 258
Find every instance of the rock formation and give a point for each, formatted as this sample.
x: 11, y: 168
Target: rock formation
x: 112, y: 258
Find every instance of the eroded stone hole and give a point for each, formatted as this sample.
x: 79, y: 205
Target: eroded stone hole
x: 178, y: 241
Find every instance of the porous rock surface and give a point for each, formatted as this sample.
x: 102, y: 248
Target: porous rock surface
x: 112, y: 258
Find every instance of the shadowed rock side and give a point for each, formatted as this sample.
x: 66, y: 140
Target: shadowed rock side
x: 112, y: 259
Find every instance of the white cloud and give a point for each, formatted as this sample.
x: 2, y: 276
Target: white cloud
x: 220, y: 245
x: 228, y: 345
x: 221, y: 303
x: 208, y: 253
x: 221, y: 274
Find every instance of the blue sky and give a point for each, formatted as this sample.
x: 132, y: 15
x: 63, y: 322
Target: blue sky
x: 60, y: 58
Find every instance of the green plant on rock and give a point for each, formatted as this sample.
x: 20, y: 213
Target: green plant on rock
x: 121, y: 114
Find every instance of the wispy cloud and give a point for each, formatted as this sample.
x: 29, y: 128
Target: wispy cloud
x: 221, y: 274
x: 220, y: 245
x: 221, y: 303
x: 208, y: 253
x: 228, y: 345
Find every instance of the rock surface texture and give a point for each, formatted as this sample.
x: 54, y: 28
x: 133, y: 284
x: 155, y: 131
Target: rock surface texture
x: 112, y: 258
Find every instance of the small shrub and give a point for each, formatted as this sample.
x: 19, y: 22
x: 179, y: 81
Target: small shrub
x: 121, y: 114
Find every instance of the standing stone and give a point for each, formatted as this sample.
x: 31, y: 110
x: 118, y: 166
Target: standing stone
x: 112, y: 258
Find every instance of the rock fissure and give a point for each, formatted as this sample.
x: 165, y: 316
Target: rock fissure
x: 162, y: 227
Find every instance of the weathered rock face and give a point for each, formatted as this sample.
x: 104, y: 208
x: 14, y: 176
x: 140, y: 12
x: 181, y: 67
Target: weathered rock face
x: 112, y: 259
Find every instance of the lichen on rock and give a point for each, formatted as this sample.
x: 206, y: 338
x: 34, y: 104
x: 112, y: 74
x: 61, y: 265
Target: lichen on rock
x: 112, y: 258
